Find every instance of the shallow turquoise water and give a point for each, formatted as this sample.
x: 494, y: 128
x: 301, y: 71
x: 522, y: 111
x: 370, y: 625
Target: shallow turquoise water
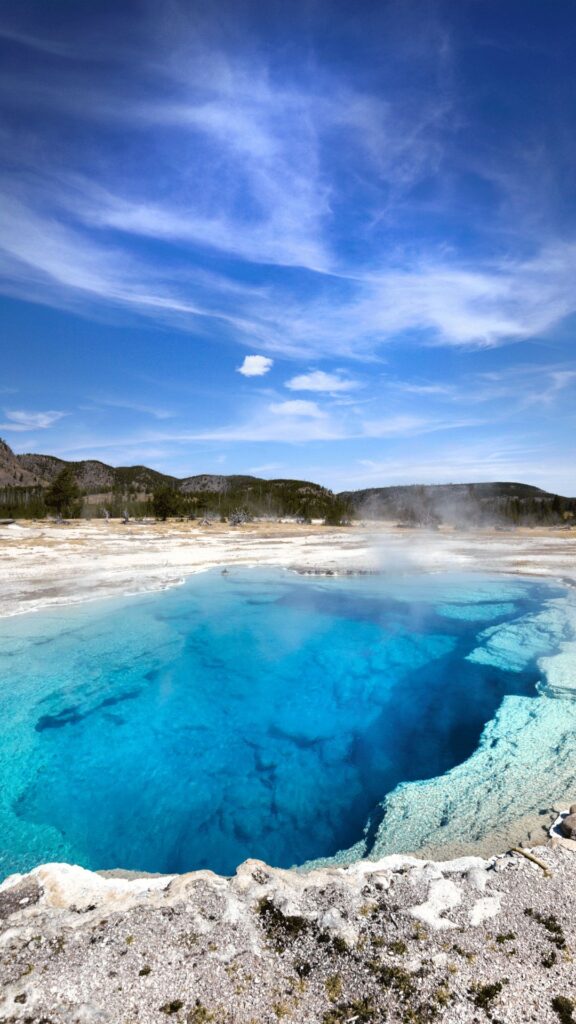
x: 254, y: 714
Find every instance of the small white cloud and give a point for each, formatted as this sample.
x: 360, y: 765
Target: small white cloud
x: 297, y: 407
x: 255, y: 366
x: 19, y: 419
x: 318, y: 380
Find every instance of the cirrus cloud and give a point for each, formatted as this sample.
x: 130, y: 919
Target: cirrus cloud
x: 20, y: 419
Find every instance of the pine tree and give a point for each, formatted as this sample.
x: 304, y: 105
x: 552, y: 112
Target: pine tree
x: 166, y: 502
x: 63, y: 495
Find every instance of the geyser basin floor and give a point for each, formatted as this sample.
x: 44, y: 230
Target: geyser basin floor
x: 253, y: 713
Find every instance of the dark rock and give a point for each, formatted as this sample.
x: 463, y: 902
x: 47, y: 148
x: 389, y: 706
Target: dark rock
x: 568, y: 826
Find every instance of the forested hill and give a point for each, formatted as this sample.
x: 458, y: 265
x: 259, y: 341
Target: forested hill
x: 25, y: 481
x: 461, y: 504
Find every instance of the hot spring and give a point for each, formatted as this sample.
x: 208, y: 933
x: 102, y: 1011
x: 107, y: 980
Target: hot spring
x: 254, y: 713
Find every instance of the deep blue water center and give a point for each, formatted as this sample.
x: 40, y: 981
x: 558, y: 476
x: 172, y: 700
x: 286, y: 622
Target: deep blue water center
x: 250, y: 714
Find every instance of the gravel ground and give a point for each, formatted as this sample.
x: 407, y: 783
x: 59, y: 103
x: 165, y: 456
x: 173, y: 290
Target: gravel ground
x: 399, y: 940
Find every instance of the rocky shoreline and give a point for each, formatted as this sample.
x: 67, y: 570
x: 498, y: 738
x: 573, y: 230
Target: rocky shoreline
x: 399, y: 940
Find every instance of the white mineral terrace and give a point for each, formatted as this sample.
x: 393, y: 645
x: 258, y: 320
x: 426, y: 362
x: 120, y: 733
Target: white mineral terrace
x: 45, y: 564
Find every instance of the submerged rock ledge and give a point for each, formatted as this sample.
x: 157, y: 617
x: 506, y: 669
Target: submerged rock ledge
x: 400, y: 939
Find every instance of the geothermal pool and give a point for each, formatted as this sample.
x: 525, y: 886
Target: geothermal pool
x: 251, y: 714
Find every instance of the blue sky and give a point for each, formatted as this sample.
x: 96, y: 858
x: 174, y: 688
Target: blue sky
x: 328, y: 240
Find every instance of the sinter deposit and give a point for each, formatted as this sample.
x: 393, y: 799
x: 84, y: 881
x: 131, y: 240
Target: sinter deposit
x: 397, y: 940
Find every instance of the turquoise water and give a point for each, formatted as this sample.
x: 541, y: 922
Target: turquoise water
x: 252, y: 714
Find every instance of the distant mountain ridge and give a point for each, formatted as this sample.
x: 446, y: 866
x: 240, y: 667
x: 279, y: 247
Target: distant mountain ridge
x: 25, y: 478
x: 92, y: 476
x: 95, y: 477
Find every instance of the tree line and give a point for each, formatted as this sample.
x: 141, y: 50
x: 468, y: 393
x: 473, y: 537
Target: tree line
x: 65, y: 499
x: 414, y: 506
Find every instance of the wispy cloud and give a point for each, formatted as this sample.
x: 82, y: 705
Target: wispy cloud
x: 414, y: 388
x: 298, y: 421
x: 291, y: 422
x: 20, y: 419
x: 442, y: 305
x: 520, y: 385
x: 46, y: 261
x: 319, y: 380
x: 268, y: 138
x: 256, y: 177
x: 297, y: 407
x: 157, y: 412
x: 516, y: 387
